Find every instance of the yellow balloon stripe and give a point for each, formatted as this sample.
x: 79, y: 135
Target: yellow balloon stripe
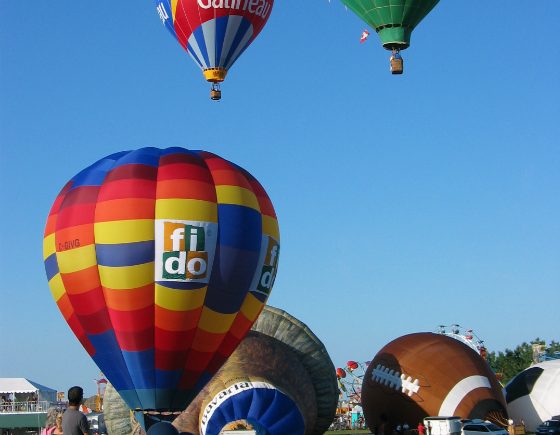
x: 251, y: 307
x: 127, y: 277
x: 77, y: 259
x: 49, y: 246
x: 57, y: 287
x: 214, y: 322
x: 174, y: 8
x: 237, y: 195
x: 129, y: 231
x: 270, y: 227
x: 186, y: 209
x: 179, y: 300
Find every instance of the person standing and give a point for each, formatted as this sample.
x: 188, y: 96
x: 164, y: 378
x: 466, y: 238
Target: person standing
x: 73, y: 421
x: 421, y: 429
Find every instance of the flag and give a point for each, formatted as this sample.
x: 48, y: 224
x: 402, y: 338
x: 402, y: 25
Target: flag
x: 365, y: 35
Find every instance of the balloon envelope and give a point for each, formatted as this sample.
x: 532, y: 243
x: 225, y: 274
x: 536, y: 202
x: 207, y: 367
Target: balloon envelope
x: 214, y: 32
x: 160, y: 261
x: 393, y: 20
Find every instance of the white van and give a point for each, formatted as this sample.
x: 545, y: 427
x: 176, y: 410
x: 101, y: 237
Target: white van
x: 443, y: 425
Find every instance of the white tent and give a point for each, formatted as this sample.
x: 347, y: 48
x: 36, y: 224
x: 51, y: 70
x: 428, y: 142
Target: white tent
x: 21, y: 387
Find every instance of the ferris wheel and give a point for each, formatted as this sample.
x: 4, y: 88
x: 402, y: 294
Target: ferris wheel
x: 350, y: 380
x: 466, y: 336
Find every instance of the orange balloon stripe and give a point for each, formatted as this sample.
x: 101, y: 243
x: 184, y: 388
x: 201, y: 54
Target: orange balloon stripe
x: 81, y: 281
x: 81, y: 233
x: 129, y: 299
x: 65, y: 307
x: 50, y: 227
x: 187, y: 189
x: 176, y: 320
x: 125, y: 209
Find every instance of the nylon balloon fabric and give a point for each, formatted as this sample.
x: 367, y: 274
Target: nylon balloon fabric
x: 160, y: 260
x: 214, y: 32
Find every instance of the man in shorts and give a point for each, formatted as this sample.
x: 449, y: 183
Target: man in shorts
x: 73, y: 421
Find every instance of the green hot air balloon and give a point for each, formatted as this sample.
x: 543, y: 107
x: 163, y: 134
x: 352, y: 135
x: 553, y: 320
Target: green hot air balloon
x: 394, y: 21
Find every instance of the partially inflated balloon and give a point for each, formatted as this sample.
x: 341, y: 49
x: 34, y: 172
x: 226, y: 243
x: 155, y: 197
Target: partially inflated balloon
x: 279, y: 381
x: 160, y: 261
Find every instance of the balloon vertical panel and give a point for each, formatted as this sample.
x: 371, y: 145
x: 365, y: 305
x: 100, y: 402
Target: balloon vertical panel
x: 156, y: 258
x: 214, y: 32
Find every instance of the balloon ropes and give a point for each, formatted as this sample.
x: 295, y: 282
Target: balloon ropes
x: 214, y: 32
x: 394, y: 21
x: 161, y: 261
x: 466, y: 336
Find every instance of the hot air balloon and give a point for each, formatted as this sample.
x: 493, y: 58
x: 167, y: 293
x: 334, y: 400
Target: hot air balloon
x: 280, y: 380
x: 394, y: 21
x: 426, y: 374
x: 214, y: 32
x: 160, y: 261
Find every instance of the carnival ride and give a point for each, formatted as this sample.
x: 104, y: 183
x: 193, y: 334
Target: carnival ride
x: 466, y: 336
x: 350, y: 379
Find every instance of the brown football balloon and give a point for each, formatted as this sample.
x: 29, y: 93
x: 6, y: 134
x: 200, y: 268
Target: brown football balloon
x: 427, y: 374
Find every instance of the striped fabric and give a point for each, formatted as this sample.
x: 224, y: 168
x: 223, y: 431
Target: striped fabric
x: 214, y: 32
x: 160, y: 261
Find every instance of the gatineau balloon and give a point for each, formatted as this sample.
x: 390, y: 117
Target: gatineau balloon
x: 214, y: 32
x: 160, y: 260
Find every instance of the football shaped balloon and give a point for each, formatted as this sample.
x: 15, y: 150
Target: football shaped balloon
x: 426, y: 374
x: 160, y: 260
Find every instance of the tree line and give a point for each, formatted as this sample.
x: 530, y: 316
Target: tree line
x: 509, y: 363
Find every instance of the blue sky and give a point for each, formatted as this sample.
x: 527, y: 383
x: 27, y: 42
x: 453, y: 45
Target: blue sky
x: 404, y: 202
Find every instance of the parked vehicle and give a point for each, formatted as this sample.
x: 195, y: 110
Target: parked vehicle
x: 475, y: 428
x: 96, y: 424
x: 549, y: 427
x: 443, y: 425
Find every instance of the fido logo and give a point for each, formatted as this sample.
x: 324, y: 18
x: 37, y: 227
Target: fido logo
x: 182, y: 253
x: 268, y: 270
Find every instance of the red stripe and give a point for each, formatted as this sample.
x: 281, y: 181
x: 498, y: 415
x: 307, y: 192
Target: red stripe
x: 184, y: 171
x: 128, y: 188
x: 80, y: 195
x: 135, y: 341
x: 132, y: 171
x: 192, y: 159
x: 76, y: 215
x: 134, y: 320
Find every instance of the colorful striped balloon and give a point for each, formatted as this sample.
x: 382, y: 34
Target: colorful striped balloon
x: 160, y: 261
x: 214, y: 32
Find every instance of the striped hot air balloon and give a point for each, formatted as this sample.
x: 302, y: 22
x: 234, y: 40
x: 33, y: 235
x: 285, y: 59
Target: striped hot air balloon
x: 214, y: 32
x: 160, y: 261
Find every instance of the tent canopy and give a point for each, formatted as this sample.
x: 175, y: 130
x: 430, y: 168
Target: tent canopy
x: 22, y: 385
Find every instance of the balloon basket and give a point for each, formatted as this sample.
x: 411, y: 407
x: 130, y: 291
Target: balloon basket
x: 397, y: 66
